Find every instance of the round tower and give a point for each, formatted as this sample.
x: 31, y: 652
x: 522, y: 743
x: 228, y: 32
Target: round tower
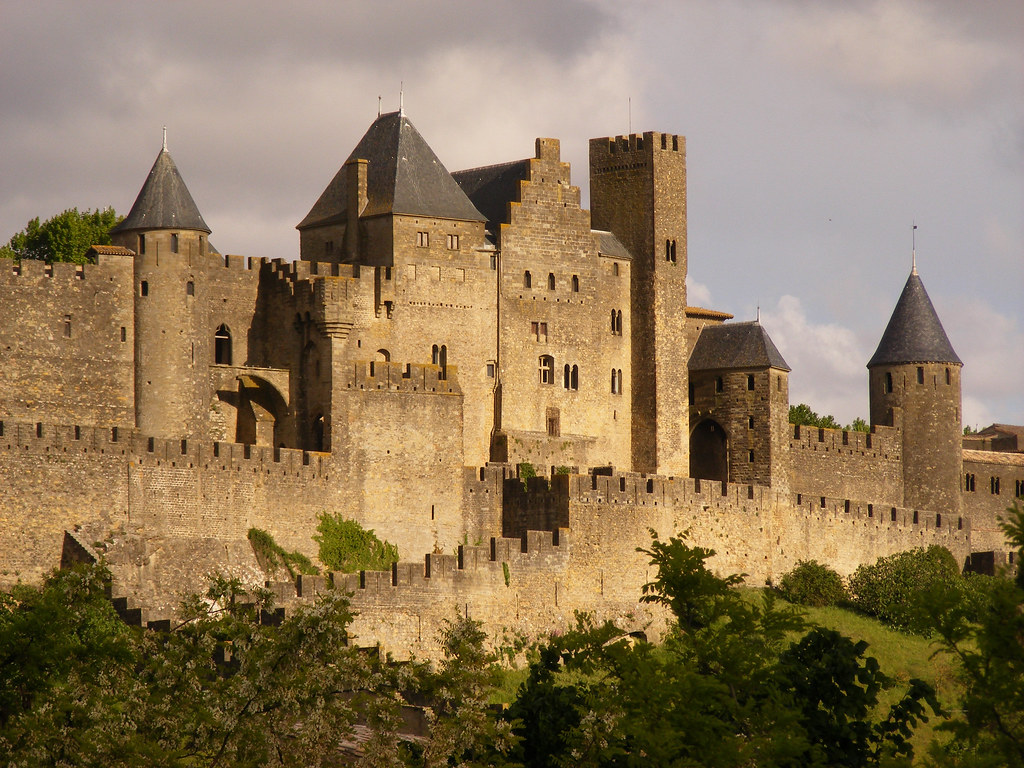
x: 914, y: 377
x: 170, y: 240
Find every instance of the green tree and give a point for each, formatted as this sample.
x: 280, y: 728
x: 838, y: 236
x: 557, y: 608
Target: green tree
x: 988, y: 727
x: 64, y: 237
x: 803, y: 415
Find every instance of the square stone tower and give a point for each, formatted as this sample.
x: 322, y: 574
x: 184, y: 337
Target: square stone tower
x: 638, y: 192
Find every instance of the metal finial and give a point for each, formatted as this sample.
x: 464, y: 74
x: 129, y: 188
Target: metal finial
x: 759, y: 313
x: 379, y: 102
x: 401, y: 98
x: 913, y: 250
x: 165, y: 138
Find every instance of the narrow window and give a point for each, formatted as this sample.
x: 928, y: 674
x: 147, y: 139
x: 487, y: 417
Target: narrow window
x: 551, y: 281
x: 719, y: 385
x: 613, y: 321
x: 750, y: 381
x: 423, y: 239
x: 434, y: 354
x: 920, y: 375
x: 124, y: 333
x: 615, y: 268
x: 527, y: 279
x: 888, y: 383
x: 618, y: 323
x: 750, y: 422
x: 892, y: 515
x: 949, y: 378
x: 453, y: 242
x: 142, y: 244
x: 174, y: 242
x: 673, y: 259
x: 547, y: 369
x: 668, y: 250
x: 995, y: 485
x: 574, y: 379
x: 750, y: 456
x: 575, y: 284
x: 490, y: 370
x: 222, y: 346
x: 615, y: 381
x: 67, y: 326
x: 443, y: 362
x: 144, y: 288
x: 554, y: 427
x: 190, y: 288
x: 565, y: 376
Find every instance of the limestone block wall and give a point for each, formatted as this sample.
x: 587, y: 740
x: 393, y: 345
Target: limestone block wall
x: 67, y: 352
x: 565, y: 327
x: 990, y: 483
x: 845, y: 464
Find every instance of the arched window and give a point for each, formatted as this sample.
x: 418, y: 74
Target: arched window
x: 383, y: 356
x: 190, y: 288
x: 546, y: 365
x: 618, y: 323
x: 673, y: 258
x: 575, y: 284
x: 174, y: 242
x: 613, y: 321
x: 435, y: 355
x: 527, y: 279
x: 551, y: 281
x: 443, y: 362
x: 574, y: 378
x: 565, y: 376
x: 222, y: 346
x: 615, y: 382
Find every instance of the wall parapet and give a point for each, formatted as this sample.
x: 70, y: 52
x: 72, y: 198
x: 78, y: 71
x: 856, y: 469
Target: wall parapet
x: 880, y: 441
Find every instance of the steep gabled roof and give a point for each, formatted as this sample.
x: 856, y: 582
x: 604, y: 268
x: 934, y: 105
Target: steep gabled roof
x: 492, y: 188
x: 403, y: 176
x: 735, y: 345
x: 164, y: 201
x: 609, y: 245
x: 914, y: 333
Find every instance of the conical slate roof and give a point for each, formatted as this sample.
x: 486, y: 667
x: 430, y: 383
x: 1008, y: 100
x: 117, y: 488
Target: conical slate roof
x: 403, y: 176
x: 164, y: 201
x: 914, y: 333
x: 735, y: 345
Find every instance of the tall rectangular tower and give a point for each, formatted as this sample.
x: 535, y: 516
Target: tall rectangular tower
x: 638, y: 192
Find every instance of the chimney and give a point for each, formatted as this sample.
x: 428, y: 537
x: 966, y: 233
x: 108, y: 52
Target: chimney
x: 355, y: 189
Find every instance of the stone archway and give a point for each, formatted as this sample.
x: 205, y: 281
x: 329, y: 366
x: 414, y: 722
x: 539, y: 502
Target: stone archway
x: 709, y: 451
x: 260, y: 411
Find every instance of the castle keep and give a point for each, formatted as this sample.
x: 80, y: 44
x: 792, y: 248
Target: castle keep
x: 437, y: 332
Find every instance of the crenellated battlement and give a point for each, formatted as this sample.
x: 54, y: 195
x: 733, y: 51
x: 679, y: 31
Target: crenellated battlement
x: 880, y: 441
x: 400, y: 377
x: 57, y: 439
x: 107, y: 266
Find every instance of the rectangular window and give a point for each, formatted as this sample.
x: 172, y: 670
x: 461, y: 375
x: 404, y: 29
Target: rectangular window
x: 490, y: 370
x: 750, y: 381
x: 67, y: 326
x: 453, y: 242
x: 174, y: 243
x: 539, y: 331
x: 423, y: 239
x: 920, y: 375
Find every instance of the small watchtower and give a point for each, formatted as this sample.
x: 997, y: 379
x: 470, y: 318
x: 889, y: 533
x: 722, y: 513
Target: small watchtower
x: 914, y: 377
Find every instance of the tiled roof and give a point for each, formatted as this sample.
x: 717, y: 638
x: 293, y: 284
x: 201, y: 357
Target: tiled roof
x: 164, y: 201
x: 609, y: 245
x: 994, y: 457
x: 403, y: 176
x: 735, y: 345
x: 111, y: 250
x: 914, y: 333
x: 492, y: 188
x: 699, y: 313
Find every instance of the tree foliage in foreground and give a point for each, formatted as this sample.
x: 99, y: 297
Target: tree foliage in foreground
x: 729, y: 687
x: 64, y: 237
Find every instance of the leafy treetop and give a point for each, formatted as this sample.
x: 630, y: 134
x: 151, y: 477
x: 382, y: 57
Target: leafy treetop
x: 64, y: 237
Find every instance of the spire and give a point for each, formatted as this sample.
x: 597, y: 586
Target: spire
x: 164, y: 201
x: 913, y: 251
x: 914, y: 333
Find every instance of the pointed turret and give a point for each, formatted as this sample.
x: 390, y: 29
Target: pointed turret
x: 915, y: 387
x: 392, y: 171
x: 914, y: 333
x: 164, y: 215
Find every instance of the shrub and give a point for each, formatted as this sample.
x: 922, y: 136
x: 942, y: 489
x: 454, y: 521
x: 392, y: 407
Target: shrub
x: 814, y: 584
x: 347, y: 547
x: 890, y: 589
x: 271, y: 555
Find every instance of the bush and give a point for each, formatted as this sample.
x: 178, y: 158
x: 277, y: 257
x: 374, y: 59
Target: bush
x: 890, y: 589
x: 271, y: 555
x: 347, y: 547
x: 814, y: 584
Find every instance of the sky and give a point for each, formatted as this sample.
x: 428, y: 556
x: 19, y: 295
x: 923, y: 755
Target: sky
x: 818, y: 134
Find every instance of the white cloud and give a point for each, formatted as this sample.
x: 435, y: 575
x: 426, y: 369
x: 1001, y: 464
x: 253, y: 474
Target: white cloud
x: 697, y: 294
x: 827, y: 361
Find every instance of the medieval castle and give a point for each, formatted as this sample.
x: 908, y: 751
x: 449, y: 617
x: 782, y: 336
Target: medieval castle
x: 438, y: 332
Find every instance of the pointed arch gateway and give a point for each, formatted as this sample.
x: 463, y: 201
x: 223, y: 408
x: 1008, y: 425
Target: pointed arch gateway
x: 709, y: 451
